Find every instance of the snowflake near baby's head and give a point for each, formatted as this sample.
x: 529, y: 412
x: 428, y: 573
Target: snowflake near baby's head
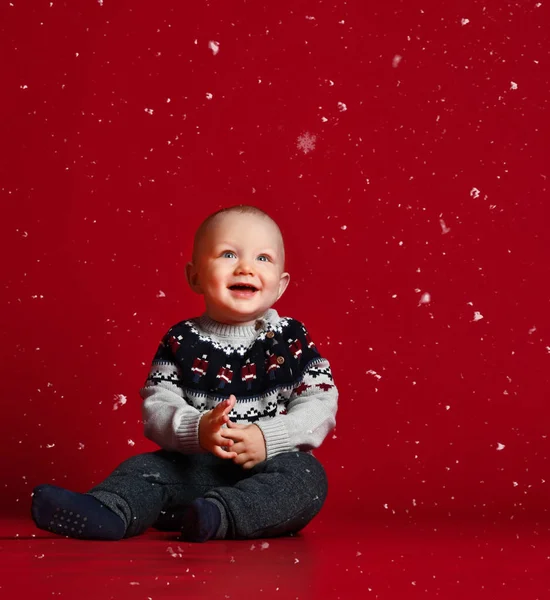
x: 306, y: 142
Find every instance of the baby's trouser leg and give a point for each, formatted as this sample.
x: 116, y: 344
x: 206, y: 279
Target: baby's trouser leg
x: 142, y: 487
x: 280, y: 496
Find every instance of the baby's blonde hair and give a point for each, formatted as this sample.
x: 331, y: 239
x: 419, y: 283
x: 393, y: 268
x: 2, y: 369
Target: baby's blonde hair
x: 239, y: 208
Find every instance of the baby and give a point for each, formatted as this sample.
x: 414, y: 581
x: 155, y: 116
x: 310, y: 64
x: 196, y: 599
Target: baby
x: 236, y: 399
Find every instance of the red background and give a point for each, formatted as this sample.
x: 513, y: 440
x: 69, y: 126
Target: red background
x: 112, y: 154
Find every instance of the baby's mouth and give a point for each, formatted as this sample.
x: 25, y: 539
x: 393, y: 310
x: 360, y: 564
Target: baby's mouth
x: 243, y: 287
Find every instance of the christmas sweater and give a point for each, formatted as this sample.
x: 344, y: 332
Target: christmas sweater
x: 281, y: 382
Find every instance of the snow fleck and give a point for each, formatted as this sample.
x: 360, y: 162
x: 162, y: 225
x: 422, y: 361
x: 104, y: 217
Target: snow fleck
x: 50, y: 445
x: 131, y: 443
x: 174, y: 554
x: 425, y: 299
x: 135, y: 583
x: 324, y: 119
x: 447, y: 407
x: 515, y: 483
x: 100, y: 2
x: 477, y: 316
x: 155, y: 475
x: 358, y: 553
x: 296, y: 561
x: 444, y: 228
x: 500, y: 446
x: 209, y: 96
x: 532, y: 330
x: 214, y: 46
x: 396, y: 60
x: 39, y: 556
x: 513, y: 85
x: 161, y: 294
x: 386, y: 506
x: 81, y: 446
x: 464, y: 21
x: 342, y: 107
x: 264, y: 545
x: 374, y: 373
x: 474, y: 193
x: 310, y: 18
x: 120, y: 400
x: 344, y: 227
x: 24, y: 87
x: 149, y: 111
x: 306, y: 142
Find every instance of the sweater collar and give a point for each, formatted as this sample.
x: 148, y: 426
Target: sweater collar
x: 249, y: 332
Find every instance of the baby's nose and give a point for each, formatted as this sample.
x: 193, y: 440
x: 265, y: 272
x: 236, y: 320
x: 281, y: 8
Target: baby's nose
x: 244, y: 266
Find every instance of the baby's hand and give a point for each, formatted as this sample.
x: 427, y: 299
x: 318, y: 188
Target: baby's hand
x: 248, y: 444
x: 210, y: 427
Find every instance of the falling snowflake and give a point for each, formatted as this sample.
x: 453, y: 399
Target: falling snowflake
x: 474, y: 193
x: 425, y: 299
x: 120, y: 400
x: 306, y: 142
x: 161, y: 294
x: 149, y: 111
x: 477, y: 316
x: 374, y: 373
x: 214, y: 46
x: 500, y: 446
x: 131, y: 443
x: 342, y: 107
x: 396, y: 60
x: 513, y: 85
x: 444, y: 228
x: 264, y: 545
x: 464, y: 21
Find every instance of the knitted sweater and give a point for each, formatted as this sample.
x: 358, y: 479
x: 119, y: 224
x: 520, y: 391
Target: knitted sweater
x: 281, y: 382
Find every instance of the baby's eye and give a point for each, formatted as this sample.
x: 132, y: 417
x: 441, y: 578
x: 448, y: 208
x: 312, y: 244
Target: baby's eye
x: 264, y: 258
x: 229, y: 254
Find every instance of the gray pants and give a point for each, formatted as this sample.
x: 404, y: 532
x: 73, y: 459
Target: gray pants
x: 276, y: 497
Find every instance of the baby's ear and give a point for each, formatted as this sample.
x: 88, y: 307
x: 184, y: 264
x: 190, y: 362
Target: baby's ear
x: 283, y: 284
x: 192, y: 277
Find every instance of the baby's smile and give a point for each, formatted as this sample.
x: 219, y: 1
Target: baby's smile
x: 243, y: 290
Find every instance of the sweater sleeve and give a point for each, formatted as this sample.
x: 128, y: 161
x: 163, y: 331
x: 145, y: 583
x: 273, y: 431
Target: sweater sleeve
x: 311, y: 412
x: 168, y: 419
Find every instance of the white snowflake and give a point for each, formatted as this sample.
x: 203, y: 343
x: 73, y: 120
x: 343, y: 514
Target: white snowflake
x: 214, y: 46
x: 120, y: 400
x: 425, y: 299
x: 396, y: 60
x: 306, y: 142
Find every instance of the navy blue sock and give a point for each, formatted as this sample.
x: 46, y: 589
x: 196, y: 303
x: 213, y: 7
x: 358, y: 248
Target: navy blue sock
x: 75, y: 515
x: 200, y: 521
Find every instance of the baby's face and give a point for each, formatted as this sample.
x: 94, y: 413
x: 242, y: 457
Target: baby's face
x: 239, y: 268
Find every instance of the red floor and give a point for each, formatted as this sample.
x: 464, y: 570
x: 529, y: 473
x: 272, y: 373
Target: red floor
x: 462, y: 560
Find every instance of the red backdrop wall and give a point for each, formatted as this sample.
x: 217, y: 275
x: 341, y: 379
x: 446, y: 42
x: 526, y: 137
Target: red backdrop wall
x: 400, y: 145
